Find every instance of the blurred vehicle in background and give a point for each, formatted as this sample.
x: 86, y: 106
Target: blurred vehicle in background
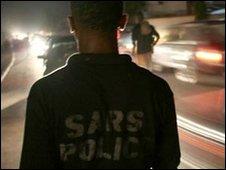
x: 56, y: 39
x: 38, y: 44
x: 19, y: 41
x: 60, y: 48
x: 125, y: 42
x: 19, y: 44
x: 217, y: 14
x: 194, y: 50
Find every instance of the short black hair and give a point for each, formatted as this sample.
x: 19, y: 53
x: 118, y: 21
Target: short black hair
x: 97, y: 15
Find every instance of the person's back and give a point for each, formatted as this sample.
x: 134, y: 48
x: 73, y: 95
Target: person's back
x: 100, y: 111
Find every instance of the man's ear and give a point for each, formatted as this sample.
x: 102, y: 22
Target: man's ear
x: 71, y: 24
x: 122, y: 22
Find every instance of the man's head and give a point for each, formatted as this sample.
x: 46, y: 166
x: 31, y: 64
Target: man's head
x: 99, y: 16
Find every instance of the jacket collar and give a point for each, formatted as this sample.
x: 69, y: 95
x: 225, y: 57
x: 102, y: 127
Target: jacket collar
x: 99, y: 59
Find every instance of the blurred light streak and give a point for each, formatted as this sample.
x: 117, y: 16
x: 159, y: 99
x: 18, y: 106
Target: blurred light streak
x: 186, y: 77
x: 189, y: 163
x: 7, y: 69
x: 19, y: 35
x: 200, y: 129
x: 209, y: 57
x: 202, y: 143
x: 175, y: 55
x: 38, y: 46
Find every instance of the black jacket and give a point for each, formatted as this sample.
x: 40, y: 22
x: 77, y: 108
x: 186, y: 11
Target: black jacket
x: 100, y: 111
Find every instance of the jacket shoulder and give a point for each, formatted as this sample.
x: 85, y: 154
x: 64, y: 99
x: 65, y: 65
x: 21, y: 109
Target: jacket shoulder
x: 157, y: 83
x: 52, y: 80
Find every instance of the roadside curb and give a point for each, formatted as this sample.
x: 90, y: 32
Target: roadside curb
x: 3, y: 75
x: 201, y: 130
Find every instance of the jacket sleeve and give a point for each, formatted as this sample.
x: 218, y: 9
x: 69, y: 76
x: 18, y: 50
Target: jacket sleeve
x: 155, y: 34
x: 167, y: 151
x: 38, y: 150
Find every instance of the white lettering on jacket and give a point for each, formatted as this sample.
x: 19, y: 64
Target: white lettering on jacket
x: 90, y: 148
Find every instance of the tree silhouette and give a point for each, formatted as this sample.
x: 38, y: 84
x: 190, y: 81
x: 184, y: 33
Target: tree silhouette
x: 200, y: 10
x: 132, y: 7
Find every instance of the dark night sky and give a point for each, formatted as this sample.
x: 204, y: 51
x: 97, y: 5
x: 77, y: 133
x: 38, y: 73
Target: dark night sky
x: 32, y: 15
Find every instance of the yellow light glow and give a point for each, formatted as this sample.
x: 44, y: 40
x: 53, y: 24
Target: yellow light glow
x: 38, y: 46
x: 19, y: 35
x: 214, y: 57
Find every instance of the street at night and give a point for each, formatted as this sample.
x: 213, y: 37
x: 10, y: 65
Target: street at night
x: 184, y: 46
x: 27, y: 69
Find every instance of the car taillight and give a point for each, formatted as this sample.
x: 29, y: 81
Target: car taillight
x: 209, y: 56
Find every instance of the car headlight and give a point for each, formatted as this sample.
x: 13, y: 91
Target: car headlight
x: 19, y: 35
x: 129, y: 46
x: 38, y: 46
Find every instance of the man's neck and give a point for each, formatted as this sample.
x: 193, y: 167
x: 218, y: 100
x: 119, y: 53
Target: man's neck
x: 97, y: 43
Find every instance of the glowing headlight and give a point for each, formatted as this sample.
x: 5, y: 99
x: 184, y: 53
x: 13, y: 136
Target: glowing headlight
x: 38, y: 46
x: 19, y: 35
x: 129, y: 46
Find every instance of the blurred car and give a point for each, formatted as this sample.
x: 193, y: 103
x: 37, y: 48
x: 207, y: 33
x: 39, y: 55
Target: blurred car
x: 56, y: 39
x: 124, y: 41
x: 60, y: 48
x: 194, y: 50
x: 18, y: 45
x: 217, y: 14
